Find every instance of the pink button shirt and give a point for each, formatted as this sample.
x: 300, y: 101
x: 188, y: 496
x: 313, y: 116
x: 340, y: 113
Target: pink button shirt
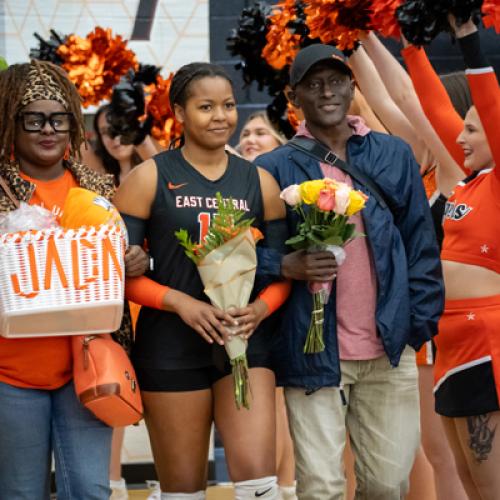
x: 356, y: 280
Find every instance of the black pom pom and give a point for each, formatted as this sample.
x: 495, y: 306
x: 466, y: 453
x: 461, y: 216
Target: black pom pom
x: 126, y: 110
x: 277, y: 113
x: 463, y: 10
x: 47, y: 49
x: 299, y: 27
x: 126, y: 107
x: 422, y: 20
x: 146, y: 74
x: 247, y: 41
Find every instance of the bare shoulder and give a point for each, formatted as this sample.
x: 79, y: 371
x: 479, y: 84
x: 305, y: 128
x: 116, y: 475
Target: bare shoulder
x: 274, y: 207
x: 137, y: 192
x: 266, y: 179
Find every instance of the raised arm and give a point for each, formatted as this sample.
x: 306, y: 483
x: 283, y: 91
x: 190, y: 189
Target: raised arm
x: 484, y: 88
x: 359, y: 106
x: 401, y: 89
x: 378, y: 98
x: 434, y: 99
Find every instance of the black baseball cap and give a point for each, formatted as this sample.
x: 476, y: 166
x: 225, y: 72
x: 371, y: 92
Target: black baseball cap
x: 313, y: 54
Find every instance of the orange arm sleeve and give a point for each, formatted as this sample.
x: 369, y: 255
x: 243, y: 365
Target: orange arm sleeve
x: 486, y: 97
x: 145, y: 291
x: 275, y: 295
x: 435, y: 101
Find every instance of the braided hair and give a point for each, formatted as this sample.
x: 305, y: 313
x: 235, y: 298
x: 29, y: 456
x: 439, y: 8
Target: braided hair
x: 181, y: 83
x: 12, y: 90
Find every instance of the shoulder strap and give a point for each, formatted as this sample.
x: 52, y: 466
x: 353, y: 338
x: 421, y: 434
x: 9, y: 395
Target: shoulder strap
x: 321, y: 153
x: 8, y: 192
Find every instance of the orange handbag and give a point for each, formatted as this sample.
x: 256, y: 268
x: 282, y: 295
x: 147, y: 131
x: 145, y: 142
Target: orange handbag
x: 105, y: 380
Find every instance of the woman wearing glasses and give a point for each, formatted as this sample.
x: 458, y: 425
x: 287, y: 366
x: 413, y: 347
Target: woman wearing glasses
x: 40, y: 129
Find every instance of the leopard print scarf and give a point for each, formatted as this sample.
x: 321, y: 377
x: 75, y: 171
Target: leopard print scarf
x: 41, y: 86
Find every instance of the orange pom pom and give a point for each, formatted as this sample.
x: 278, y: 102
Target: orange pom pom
x: 96, y: 63
x: 338, y: 21
x: 383, y: 18
x: 292, y: 116
x: 491, y: 11
x: 282, y: 45
x: 165, y: 127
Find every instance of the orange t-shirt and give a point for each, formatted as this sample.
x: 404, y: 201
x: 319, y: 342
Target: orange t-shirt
x: 40, y: 363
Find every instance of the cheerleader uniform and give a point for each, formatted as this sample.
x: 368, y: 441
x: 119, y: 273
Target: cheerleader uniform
x: 168, y: 355
x: 467, y: 370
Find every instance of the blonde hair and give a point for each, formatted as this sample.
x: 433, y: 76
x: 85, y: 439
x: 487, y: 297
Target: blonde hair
x: 272, y: 129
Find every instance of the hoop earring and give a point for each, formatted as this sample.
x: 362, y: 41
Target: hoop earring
x: 67, y: 153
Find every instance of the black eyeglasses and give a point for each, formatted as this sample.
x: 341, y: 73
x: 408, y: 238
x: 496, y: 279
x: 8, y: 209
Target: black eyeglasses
x: 35, y: 121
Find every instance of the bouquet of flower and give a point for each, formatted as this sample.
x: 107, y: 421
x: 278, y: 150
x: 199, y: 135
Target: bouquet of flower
x: 227, y: 260
x: 324, y: 206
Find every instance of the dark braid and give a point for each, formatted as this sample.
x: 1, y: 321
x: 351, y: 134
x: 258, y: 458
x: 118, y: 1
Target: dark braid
x: 183, y: 78
x: 12, y: 87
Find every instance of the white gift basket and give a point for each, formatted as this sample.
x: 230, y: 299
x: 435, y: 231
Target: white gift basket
x: 57, y: 282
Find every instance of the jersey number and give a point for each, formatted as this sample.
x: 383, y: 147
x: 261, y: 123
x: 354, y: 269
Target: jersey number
x: 204, y: 221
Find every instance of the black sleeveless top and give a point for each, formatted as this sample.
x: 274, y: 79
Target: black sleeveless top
x: 185, y: 199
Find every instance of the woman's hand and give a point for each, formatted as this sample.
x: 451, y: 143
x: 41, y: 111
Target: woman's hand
x: 248, y: 318
x: 136, y: 261
x: 464, y: 29
x: 208, y: 321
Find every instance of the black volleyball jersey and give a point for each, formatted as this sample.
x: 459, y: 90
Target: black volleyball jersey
x: 185, y: 199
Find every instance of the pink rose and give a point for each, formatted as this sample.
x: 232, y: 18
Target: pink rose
x: 291, y: 195
x: 326, y: 200
x: 342, y: 198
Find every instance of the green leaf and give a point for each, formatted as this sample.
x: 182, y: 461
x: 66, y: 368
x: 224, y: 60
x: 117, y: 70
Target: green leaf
x: 3, y: 64
x: 319, y: 228
x: 295, y: 240
x: 334, y: 240
x: 227, y: 222
x: 349, y: 231
x: 314, y: 240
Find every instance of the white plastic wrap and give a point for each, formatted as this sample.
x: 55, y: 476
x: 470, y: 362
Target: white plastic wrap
x: 26, y: 218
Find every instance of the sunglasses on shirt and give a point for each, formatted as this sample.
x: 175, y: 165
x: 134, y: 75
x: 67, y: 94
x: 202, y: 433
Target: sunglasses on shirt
x: 35, y: 121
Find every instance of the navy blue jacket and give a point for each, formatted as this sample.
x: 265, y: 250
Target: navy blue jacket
x: 410, y: 293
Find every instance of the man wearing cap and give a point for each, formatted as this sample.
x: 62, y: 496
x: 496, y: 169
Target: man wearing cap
x: 386, y: 299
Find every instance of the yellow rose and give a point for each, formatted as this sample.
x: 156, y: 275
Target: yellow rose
x: 357, y: 201
x: 309, y: 191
